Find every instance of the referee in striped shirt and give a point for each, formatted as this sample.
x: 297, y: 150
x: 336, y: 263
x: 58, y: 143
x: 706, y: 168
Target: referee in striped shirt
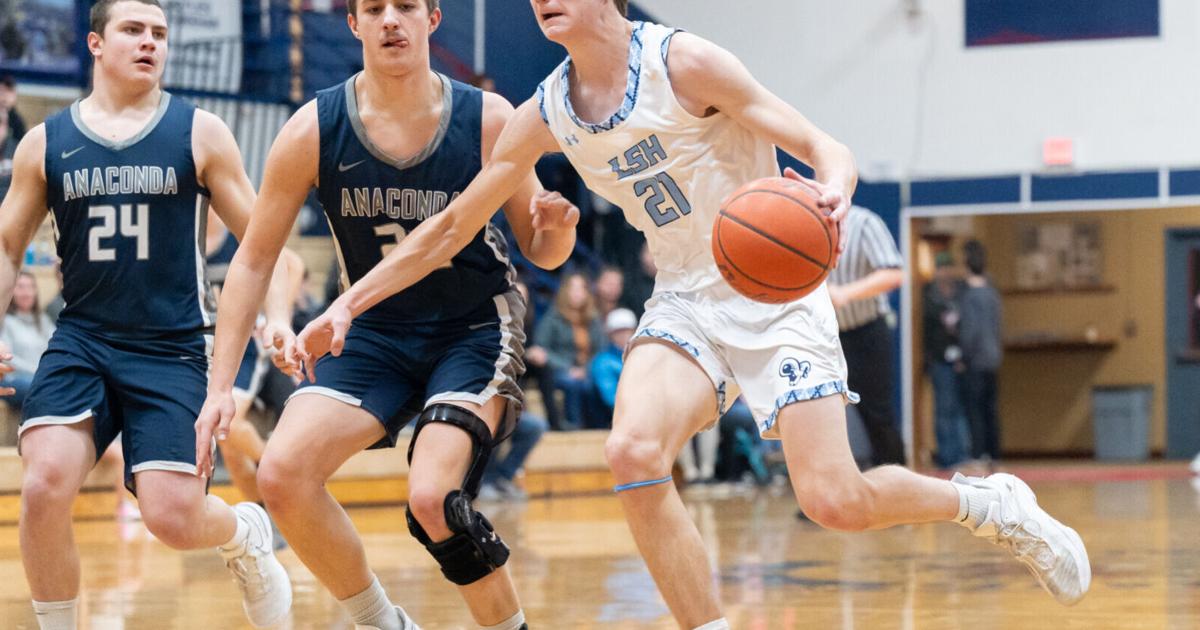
x: 869, y: 269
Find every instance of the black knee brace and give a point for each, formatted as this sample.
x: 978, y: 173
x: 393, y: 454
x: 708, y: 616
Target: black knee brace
x: 474, y: 550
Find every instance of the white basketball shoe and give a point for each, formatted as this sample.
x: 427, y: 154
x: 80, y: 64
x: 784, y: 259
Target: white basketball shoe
x: 266, y: 589
x: 1053, y: 552
x: 406, y: 622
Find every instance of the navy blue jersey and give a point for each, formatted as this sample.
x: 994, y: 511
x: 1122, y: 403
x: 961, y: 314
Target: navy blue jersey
x: 373, y: 200
x: 129, y: 222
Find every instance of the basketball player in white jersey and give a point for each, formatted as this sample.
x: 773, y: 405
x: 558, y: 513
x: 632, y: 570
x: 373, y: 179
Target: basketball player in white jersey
x: 665, y: 125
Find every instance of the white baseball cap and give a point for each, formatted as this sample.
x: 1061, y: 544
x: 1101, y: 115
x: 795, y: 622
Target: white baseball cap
x: 620, y: 319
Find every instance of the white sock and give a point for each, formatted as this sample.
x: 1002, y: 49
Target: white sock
x: 719, y: 624
x: 973, y: 505
x: 56, y: 615
x: 241, y: 534
x: 512, y: 623
x: 372, y: 608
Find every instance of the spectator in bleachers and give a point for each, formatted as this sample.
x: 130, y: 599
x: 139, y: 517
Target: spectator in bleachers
x: 979, y: 335
x: 571, y: 334
x: 10, y: 135
x: 740, y: 449
x: 639, y: 283
x: 610, y: 284
x: 8, y: 103
x: 605, y: 369
x: 943, y: 362
x: 26, y: 333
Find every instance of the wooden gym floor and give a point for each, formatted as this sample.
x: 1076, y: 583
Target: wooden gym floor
x: 576, y: 567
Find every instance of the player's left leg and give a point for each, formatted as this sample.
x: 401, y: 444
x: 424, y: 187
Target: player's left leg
x: 443, y: 479
x: 159, y: 442
x: 834, y: 494
x: 177, y: 510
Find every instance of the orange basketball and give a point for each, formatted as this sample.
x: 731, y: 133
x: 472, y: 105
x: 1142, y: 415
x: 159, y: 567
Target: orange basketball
x: 771, y: 241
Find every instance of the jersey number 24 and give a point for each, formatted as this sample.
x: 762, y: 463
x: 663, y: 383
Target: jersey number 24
x: 134, y: 223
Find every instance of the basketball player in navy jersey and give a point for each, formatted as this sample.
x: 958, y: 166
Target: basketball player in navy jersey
x: 387, y: 151
x: 665, y: 125
x: 128, y: 174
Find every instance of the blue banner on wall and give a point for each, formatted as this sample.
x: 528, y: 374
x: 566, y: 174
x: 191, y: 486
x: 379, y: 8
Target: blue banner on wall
x: 1002, y: 22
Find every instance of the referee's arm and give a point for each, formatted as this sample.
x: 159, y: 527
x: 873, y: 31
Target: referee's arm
x: 882, y: 257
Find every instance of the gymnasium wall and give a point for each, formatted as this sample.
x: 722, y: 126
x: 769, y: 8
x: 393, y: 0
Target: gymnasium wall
x: 910, y: 99
x: 1045, y: 396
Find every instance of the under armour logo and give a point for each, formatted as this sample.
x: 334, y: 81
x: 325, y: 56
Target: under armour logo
x: 571, y: 140
x: 794, y: 370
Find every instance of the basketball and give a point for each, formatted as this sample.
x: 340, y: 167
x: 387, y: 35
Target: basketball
x: 771, y: 241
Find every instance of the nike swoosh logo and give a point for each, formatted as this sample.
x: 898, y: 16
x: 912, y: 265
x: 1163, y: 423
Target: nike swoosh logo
x: 67, y: 154
x: 478, y: 326
x: 342, y: 168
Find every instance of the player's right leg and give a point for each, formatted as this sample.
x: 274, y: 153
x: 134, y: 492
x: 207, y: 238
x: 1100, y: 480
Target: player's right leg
x: 315, y: 436
x: 662, y: 400
x: 56, y: 460
x: 59, y: 441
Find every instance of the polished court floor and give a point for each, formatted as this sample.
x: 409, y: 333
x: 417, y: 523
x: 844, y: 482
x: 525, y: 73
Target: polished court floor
x: 576, y: 567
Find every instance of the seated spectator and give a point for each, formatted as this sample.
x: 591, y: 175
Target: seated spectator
x: 741, y: 450
x: 26, y: 334
x: 570, y: 333
x: 610, y: 285
x: 501, y: 471
x: 606, y: 366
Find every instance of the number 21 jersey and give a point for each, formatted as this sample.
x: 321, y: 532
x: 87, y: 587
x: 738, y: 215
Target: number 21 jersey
x: 665, y: 168
x: 129, y: 224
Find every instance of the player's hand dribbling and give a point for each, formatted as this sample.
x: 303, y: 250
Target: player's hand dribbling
x: 325, y: 334
x: 832, y: 198
x: 552, y: 211
x: 6, y: 368
x: 214, y: 419
x: 280, y: 342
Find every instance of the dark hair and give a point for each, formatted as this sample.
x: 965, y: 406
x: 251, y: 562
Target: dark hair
x: 976, y: 256
x: 606, y: 268
x: 99, y: 15
x: 622, y: 6
x: 352, y: 6
x: 7, y: 80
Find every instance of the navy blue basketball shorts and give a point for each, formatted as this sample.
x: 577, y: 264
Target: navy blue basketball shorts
x: 394, y: 372
x: 148, y: 391
x: 251, y: 372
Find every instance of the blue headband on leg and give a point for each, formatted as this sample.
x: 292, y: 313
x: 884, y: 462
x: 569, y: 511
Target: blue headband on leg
x: 640, y: 484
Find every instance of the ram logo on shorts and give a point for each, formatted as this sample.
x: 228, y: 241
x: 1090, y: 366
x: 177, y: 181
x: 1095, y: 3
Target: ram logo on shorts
x: 794, y: 370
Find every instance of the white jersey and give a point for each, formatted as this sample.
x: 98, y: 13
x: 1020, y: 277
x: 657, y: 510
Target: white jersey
x: 665, y: 168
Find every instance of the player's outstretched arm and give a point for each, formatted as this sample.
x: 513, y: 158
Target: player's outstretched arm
x: 706, y: 76
x: 291, y: 170
x: 436, y: 241
x: 21, y: 214
x: 543, y: 222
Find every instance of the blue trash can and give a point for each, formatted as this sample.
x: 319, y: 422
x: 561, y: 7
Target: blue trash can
x: 1121, y: 421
